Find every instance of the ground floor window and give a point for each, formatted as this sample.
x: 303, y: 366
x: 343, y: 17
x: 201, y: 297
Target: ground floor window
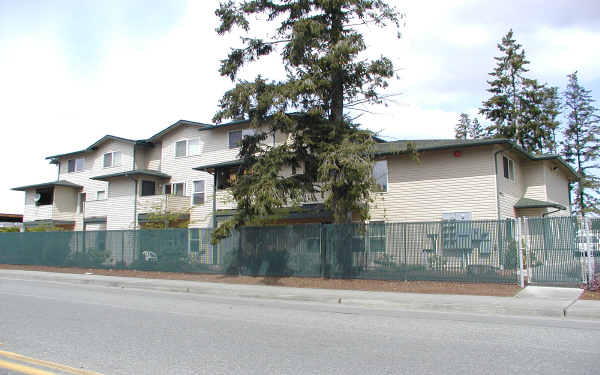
x: 198, y: 196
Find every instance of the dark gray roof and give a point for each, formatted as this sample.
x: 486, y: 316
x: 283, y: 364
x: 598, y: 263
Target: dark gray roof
x: 224, y: 164
x: 135, y: 172
x: 49, y: 184
x: 420, y: 145
x: 534, y: 203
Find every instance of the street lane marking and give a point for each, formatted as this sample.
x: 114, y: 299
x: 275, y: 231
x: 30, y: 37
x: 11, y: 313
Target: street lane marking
x: 23, y: 369
x: 52, y: 365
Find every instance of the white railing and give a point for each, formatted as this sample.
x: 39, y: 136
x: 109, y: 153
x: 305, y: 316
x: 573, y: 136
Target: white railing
x: 163, y: 203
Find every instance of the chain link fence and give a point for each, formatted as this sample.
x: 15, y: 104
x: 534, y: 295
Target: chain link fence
x: 468, y: 251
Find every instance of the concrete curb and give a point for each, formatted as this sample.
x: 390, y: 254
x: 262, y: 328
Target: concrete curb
x: 486, y: 305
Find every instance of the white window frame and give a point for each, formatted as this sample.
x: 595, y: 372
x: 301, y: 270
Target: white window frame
x: 112, y: 159
x: 75, y: 167
x: 245, y: 132
x: 187, y: 147
x: 194, y: 192
x: 172, y: 185
x: 511, y: 169
x: 98, y: 195
x: 387, y: 176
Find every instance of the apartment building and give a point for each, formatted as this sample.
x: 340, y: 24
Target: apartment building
x: 117, y: 183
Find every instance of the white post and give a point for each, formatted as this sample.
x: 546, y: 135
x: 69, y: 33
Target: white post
x: 589, y: 250
x: 519, y: 236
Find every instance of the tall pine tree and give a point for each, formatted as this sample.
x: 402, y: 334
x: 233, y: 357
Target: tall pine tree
x: 518, y: 105
x: 320, y: 43
x: 581, y: 145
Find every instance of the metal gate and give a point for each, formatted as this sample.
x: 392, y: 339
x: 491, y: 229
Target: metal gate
x: 557, y: 250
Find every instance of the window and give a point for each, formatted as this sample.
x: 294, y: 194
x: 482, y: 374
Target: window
x: 380, y: 174
x: 148, y: 188
x: 112, y: 159
x: 175, y: 189
x: 235, y: 136
x: 81, y: 202
x: 101, y: 195
x: 43, y: 197
x: 188, y: 147
x: 509, y: 168
x: 75, y: 165
x: 198, y: 196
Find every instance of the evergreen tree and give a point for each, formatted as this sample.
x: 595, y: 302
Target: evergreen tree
x: 467, y: 128
x: 581, y: 145
x: 518, y: 105
x: 476, y: 130
x: 320, y: 43
x: 461, y: 129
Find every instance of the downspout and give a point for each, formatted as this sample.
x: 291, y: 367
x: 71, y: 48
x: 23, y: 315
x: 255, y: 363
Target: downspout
x: 135, y: 191
x: 214, y: 213
x: 498, y: 232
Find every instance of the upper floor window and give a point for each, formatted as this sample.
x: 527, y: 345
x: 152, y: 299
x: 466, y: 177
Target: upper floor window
x: 112, y: 159
x: 75, y: 165
x: 188, y: 147
x: 380, y: 174
x: 235, y: 136
x: 509, y: 168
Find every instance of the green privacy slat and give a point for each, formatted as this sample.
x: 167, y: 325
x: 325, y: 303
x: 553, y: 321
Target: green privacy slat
x: 472, y: 251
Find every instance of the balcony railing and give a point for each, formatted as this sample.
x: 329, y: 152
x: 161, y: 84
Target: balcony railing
x: 163, y: 203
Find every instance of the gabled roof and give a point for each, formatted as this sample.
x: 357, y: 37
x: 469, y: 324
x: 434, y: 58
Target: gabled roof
x: 200, y: 125
x: 95, y: 145
x: 225, y: 125
x: 534, y: 203
x: 134, y: 172
x: 49, y: 184
x: 404, y: 147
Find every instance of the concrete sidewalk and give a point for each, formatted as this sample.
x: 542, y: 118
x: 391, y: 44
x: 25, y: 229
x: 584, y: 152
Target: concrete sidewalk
x: 532, y: 301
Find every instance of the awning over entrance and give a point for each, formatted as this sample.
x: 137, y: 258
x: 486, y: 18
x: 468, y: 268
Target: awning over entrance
x: 135, y: 172
x: 212, y: 167
x: 534, y: 203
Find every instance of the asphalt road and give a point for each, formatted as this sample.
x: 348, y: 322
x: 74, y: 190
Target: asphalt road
x: 124, y: 331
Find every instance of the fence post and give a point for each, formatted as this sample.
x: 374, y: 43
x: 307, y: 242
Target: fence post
x: 520, y: 249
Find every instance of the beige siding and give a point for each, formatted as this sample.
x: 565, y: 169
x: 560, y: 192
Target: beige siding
x: 557, y: 186
x: 95, y: 226
x: 65, y: 203
x: 439, y: 183
x: 533, y: 175
x: 33, y: 212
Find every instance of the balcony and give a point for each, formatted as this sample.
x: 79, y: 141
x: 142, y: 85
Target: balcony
x: 163, y: 203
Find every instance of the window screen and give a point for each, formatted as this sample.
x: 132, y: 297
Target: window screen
x: 380, y: 174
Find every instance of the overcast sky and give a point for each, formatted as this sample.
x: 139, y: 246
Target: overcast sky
x: 73, y: 71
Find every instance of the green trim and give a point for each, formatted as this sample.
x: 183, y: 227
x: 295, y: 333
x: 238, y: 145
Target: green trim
x: 49, y: 222
x: 225, y: 164
x: 534, y: 203
x: 135, y: 172
x: 225, y: 125
x: 49, y: 184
